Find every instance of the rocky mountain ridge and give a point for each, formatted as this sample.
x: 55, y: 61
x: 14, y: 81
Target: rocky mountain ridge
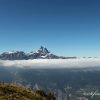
x: 41, y: 53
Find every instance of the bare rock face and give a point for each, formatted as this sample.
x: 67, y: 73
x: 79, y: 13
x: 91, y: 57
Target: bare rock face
x: 18, y: 55
x: 41, y: 53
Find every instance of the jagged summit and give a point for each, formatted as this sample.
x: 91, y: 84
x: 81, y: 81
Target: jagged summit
x: 41, y: 53
x: 43, y: 50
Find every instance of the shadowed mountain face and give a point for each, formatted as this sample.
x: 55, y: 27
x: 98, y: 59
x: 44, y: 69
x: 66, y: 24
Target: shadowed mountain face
x: 6, y: 75
x: 51, y: 78
x: 41, y: 53
x: 19, y: 55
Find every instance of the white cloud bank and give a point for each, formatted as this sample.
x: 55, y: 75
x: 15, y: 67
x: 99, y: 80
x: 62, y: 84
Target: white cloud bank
x: 53, y: 63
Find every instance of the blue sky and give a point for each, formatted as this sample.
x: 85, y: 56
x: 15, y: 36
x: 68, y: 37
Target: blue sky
x: 65, y: 27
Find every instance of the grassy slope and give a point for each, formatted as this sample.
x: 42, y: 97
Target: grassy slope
x: 13, y: 92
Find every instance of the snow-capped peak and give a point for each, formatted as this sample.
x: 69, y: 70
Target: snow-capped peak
x: 41, y: 53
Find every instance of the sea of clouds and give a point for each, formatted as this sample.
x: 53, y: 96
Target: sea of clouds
x: 53, y: 63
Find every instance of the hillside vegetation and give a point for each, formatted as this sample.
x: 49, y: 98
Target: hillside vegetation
x: 13, y: 92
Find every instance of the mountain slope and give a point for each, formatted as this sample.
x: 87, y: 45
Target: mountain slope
x: 13, y: 92
x: 41, y: 53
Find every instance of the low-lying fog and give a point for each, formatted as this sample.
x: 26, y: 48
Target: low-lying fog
x: 53, y: 63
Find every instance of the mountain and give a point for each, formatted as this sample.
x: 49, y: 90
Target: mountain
x: 14, y: 92
x: 41, y: 53
x: 18, y: 55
